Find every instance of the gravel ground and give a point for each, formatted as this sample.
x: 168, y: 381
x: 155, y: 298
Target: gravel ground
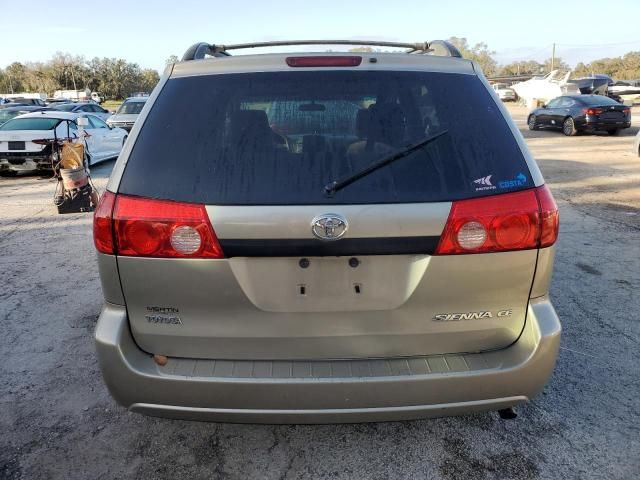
x: 58, y: 421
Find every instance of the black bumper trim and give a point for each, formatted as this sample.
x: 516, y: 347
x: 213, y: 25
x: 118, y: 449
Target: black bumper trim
x: 337, y: 248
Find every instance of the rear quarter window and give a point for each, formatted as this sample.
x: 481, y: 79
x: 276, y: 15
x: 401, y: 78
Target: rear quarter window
x: 597, y: 100
x: 278, y: 138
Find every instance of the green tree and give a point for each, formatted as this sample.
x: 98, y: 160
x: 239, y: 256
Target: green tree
x: 581, y: 70
x: 479, y: 53
x: 148, y: 80
x: 15, y: 74
x: 626, y: 67
x: 530, y: 67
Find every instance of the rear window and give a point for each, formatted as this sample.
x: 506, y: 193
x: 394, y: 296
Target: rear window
x: 279, y: 138
x: 131, y: 107
x: 30, y: 124
x: 597, y: 100
x: 66, y: 107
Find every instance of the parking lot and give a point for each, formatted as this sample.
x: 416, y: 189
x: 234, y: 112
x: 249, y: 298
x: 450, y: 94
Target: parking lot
x: 59, y: 422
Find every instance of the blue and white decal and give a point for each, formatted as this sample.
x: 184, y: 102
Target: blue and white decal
x: 519, y: 181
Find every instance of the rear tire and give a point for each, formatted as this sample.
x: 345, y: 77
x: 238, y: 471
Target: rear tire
x: 614, y: 131
x: 569, y: 127
x: 531, y: 122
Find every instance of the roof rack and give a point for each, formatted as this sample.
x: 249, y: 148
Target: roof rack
x: 442, y: 48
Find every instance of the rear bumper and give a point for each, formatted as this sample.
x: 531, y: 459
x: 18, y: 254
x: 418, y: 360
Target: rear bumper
x: 123, y: 126
x: 24, y: 164
x: 590, y: 125
x: 327, y: 391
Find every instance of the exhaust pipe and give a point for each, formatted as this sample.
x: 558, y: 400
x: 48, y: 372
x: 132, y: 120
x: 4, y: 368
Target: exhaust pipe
x: 507, y: 414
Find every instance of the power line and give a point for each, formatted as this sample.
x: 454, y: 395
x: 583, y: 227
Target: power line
x: 636, y: 42
x: 537, y: 52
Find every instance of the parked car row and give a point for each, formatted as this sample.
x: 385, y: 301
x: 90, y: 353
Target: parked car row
x: 124, y: 117
x: 25, y: 141
x: 26, y: 131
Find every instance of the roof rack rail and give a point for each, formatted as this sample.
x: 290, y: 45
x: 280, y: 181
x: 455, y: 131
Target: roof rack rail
x: 443, y: 48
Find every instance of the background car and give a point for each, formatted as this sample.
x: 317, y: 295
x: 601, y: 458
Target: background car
x: 86, y: 107
x: 581, y: 113
x: 126, y: 116
x: 10, y: 112
x: 24, y: 101
x: 24, y: 140
x: 506, y: 93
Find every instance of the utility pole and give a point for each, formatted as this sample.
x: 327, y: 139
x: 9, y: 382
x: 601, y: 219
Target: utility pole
x: 553, y: 56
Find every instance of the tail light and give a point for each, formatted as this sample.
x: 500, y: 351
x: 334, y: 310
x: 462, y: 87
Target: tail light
x: 103, y: 223
x: 592, y: 111
x: 513, y: 221
x: 325, y: 61
x: 143, y: 227
x: 626, y: 110
x: 549, y: 217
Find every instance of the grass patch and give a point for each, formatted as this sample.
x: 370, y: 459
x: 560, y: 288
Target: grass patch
x: 111, y: 104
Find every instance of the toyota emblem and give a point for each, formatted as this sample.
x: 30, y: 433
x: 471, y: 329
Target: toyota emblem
x: 330, y: 226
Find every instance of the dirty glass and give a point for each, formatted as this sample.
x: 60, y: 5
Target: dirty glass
x: 279, y: 137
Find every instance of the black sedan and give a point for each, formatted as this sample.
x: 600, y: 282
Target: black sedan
x: 581, y: 113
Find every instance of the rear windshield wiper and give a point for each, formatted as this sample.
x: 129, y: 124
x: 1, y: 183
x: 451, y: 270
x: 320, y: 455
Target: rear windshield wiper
x: 337, y: 185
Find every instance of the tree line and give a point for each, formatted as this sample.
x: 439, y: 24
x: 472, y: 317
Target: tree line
x: 114, y: 78
x: 626, y: 67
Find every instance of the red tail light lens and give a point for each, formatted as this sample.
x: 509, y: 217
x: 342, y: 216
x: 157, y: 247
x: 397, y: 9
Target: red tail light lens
x: 325, y: 61
x: 549, y: 217
x: 103, y: 223
x: 513, y: 221
x: 143, y: 227
x: 592, y: 111
x: 159, y: 228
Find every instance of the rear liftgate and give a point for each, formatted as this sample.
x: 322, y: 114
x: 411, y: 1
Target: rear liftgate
x: 319, y: 282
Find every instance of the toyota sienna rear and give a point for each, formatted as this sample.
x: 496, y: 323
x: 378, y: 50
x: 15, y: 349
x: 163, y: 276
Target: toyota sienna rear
x: 325, y: 237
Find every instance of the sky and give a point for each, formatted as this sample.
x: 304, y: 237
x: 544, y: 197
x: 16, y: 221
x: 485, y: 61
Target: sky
x: 148, y: 32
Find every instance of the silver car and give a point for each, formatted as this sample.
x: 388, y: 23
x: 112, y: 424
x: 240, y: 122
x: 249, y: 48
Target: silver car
x: 127, y: 114
x: 83, y: 107
x: 270, y: 253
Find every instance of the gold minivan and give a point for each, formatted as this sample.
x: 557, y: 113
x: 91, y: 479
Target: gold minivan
x: 325, y: 237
